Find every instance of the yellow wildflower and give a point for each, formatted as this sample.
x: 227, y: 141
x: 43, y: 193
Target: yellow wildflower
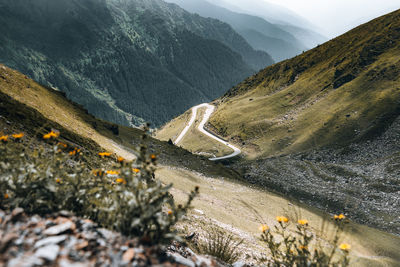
x: 120, y: 181
x: 4, y: 138
x: 152, y: 156
x: 75, y: 151
x: 263, y: 228
x: 339, y: 217
x: 345, y: 247
x: 58, y: 180
x: 135, y: 170
x: 304, y: 248
x: 282, y: 219
x: 62, y: 145
x: 18, y: 136
x: 120, y: 159
x: 51, y: 134
x: 302, y: 222
x: 98, y: 172
x: 104, y: 154
x: 111, y: 172
x: 170, y: 212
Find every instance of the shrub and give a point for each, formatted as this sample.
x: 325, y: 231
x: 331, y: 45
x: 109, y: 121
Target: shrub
x: 120, y: 195
x: 294, y: 248
x: 219, y: 244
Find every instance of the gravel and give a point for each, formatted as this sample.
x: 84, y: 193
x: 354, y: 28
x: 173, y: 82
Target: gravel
x: 65, y: 240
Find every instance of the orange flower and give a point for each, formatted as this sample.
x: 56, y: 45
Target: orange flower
x: 120, y: 159
x: 111, y: 172
x: 263, y: 228
x: 4, y: 138
x: 135, y: 170
x: 51, y: 134
x: 104, y: 154
x: 98, y: 172
x: 6, y: 196
x: 282, y: 219
x: 62, y: 145
x: 75, y: 151
x: 339, y: 217
x: 170, y: 212
x: 304, y: 248
x: 18, y: 136
x: 120, y: 181
x: 345, y: 247
x: 152, y: 156
x: 302, y: 222
x: 58, y: 180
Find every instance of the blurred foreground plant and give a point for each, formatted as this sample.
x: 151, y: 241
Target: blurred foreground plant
x: 128, y: 198
x: 300, y: 248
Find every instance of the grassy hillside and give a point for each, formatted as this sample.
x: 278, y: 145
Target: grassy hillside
x: 126, y: 60
x: 345, y: 90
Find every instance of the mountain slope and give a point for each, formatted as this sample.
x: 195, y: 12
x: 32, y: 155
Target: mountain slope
x: 125, y: 60
x: 342, y: 91
x: 26, y: 106
x: 258, y: 32
x: 324, y: 127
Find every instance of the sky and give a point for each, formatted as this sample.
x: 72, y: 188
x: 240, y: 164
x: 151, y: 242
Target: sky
x: 334, y: 17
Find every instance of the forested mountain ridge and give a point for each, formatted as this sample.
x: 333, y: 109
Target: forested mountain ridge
x: 258, y: 32
x: 125, y: 60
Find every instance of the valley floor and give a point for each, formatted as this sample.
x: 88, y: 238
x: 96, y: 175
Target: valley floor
x: 240, y: 209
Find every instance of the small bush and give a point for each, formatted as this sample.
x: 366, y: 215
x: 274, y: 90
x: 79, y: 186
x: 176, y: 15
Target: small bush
x: 120, y: 195
x: 221, y: 245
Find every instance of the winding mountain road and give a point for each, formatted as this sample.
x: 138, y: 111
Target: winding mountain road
x: 210, y: 109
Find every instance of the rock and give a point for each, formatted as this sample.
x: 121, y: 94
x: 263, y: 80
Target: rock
x: 82, y: 245
x: 199, y: 211
x: 49, y: 253
x: 239, y: 264
x: 6, y: 241
x: 181, y: 260
x: 59, y: 229
x: 27, y: 260
x: 50, y: 241
x: 203, y: 261
x: 67, y: 263
x: 16, y: 214
x: 107, y: 234
x: 65, y: 214
x: 128, y: 255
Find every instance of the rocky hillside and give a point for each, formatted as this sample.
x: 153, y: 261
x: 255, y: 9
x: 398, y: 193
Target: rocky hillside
x: 125, y: 60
